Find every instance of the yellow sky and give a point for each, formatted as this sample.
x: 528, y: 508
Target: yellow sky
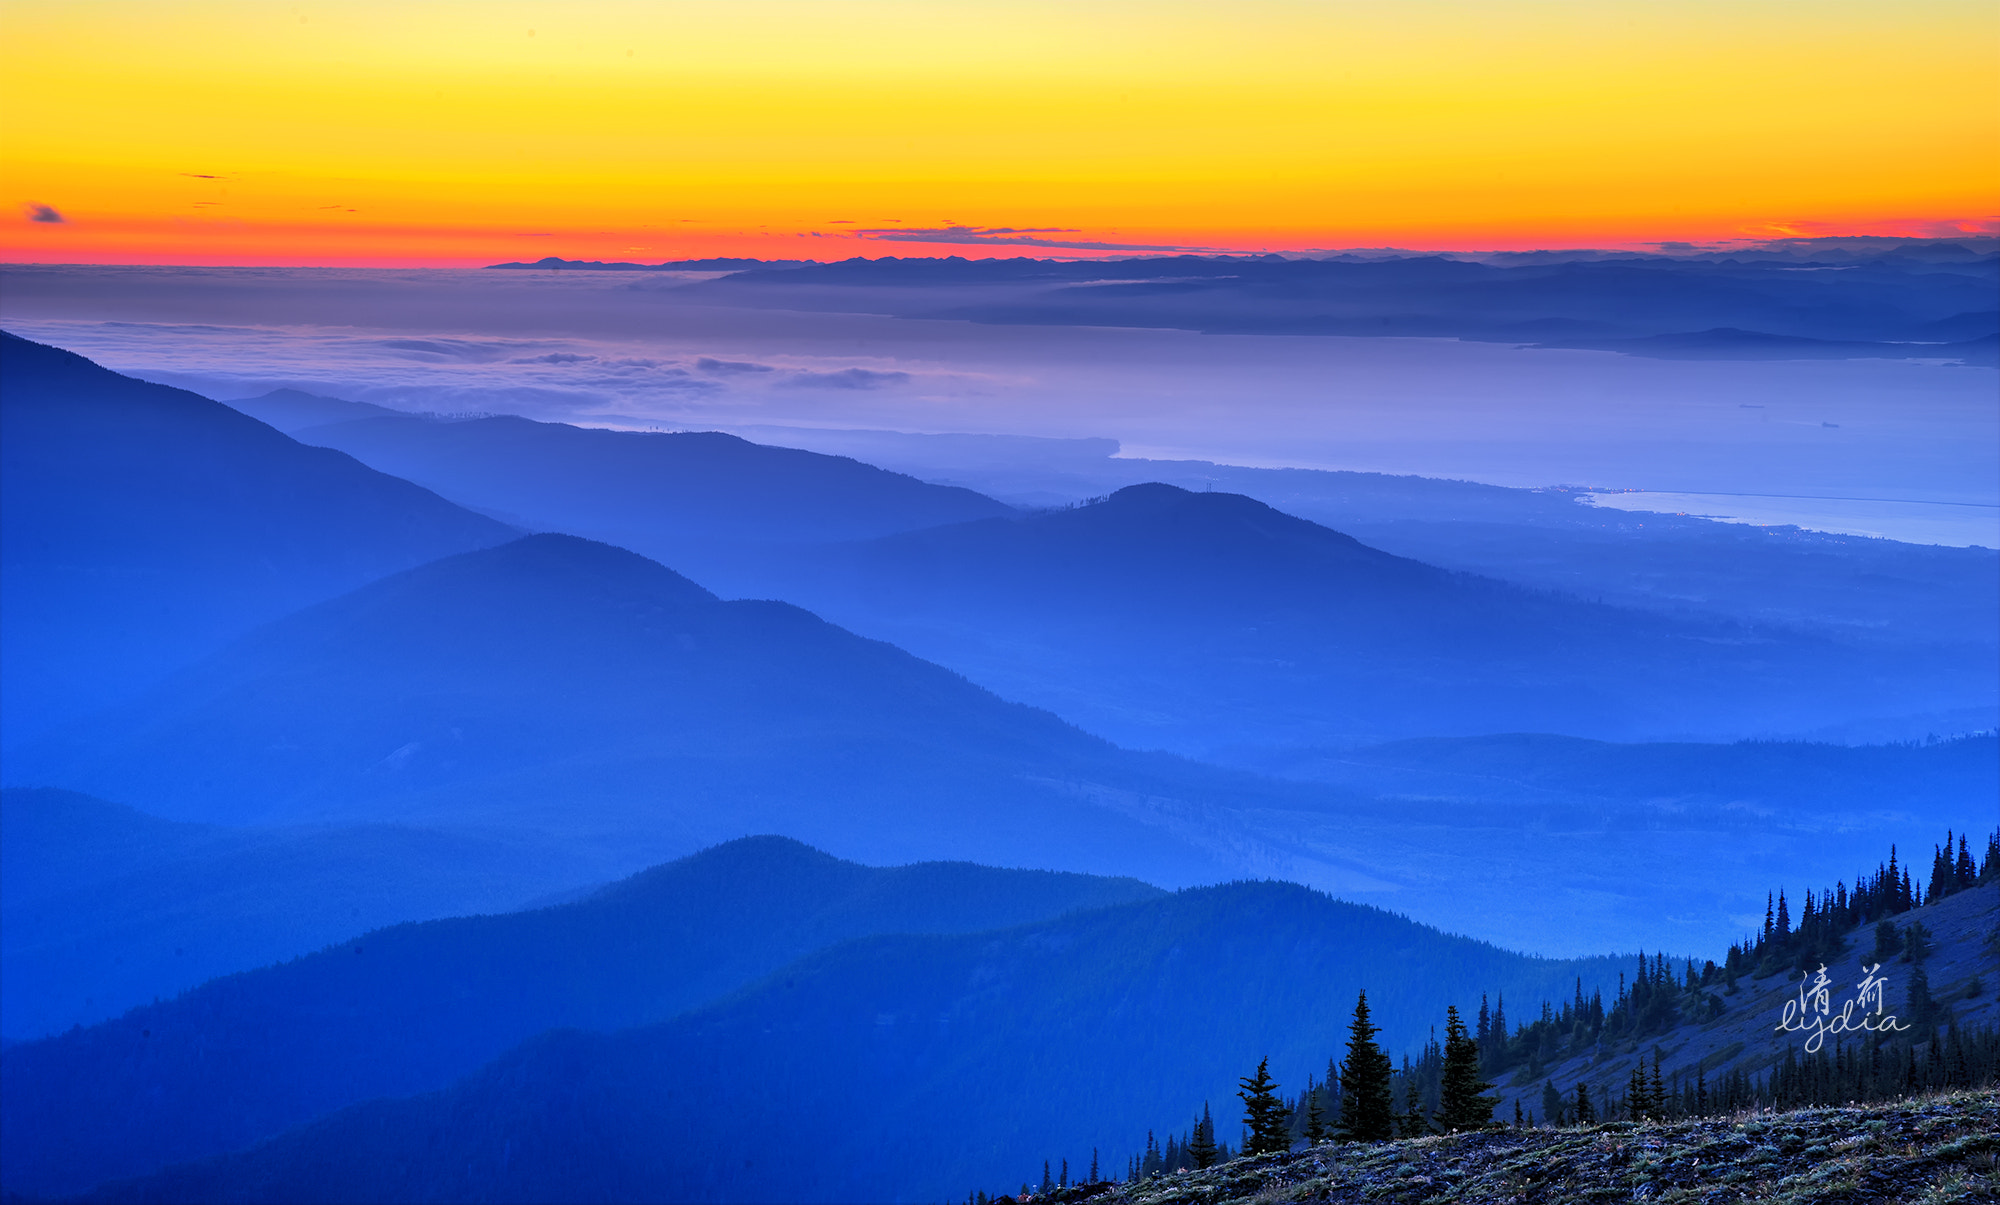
x: 465, y: 133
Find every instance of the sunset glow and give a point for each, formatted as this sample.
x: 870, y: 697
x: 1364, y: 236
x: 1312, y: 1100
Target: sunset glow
x: 453, y: 134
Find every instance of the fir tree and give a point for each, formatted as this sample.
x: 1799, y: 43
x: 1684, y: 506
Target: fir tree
x: 1411, y: 1122
x: 1201, y: 1147
x: 1367, y: 1113
x: 1586, y: 1113
x: 1264, y: 1114
x: 1552, y: 1104
x: 1917, y: 943
x: 1316, y: 1130
x: 1923, y: 1009
x: 1462, y: 1105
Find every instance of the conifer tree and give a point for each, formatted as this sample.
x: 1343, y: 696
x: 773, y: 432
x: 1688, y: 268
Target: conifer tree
x: 1367, y: 1114
x: 1917, y: 944
x: 1201, y: 1147
x: 1923, y: 1009
x: 1316, y: 1130
x: 1462, y: 1105
x: 1552, y: 1104
x: 1264, y: 1114
x: 1093, y: 1165
x: 1586, y: 1113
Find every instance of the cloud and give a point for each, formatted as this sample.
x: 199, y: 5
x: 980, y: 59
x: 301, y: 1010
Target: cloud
x: 847, y: 378
x: 204, y: 176
x: 44, y: 213
x: 1007, y: 236
x: 729, y: 368
x: 554, y: 357
x: 448, y: 349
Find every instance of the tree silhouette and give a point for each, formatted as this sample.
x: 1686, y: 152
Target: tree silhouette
x: 1462, y: 1103
x: 1264, y: 1114
x: 1367, y: 1114
x: 1201, y: 1147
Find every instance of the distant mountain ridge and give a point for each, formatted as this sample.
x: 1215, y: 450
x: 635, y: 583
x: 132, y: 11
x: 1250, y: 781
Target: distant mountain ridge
x: 554, y: 262
x: 703, y: 502
x: 1871, y: 297
x: 143, y: 526
x: 894, y: 1067
x: 1192, y: 621
x: 103, y: 907
x: 566, y: 687
x: 411, y: 1008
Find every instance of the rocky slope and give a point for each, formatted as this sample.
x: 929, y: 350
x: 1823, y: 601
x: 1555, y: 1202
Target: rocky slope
x: 1937, y: 1149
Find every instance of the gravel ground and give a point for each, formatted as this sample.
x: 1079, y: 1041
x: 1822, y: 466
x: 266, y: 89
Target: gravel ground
x: 1933, y: 1150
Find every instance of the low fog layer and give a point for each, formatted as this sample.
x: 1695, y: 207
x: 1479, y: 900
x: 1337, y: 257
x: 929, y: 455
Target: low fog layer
x: 677, y: 351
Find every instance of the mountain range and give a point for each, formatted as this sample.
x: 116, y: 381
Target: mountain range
x: 1917, y: 301
x: 558, y: 685
x: 611, y: 714
x: 141, y: 526
x: 1195, y: 622
x: 412, y: 1008
x: 103, y: 908
x: 702, y: 502
x: 900, y: 1066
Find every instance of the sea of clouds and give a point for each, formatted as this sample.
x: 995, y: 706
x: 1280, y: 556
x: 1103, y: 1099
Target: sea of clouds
x: 1895, y: 448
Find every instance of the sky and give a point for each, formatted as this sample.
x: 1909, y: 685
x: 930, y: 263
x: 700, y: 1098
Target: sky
x: 401, y: 134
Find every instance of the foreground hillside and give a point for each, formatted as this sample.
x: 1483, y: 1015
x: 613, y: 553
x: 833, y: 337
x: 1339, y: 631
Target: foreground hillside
x: 1931, y: 1150
x: 1706, y: 1035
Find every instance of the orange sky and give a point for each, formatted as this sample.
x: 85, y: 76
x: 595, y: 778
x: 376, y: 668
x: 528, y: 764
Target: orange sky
x: 458, y: 134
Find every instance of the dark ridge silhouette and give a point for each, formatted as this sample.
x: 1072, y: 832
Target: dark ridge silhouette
x: 1866, y: 298
x: 103, y: 907
x: 1199, y: 621
x: 902, y: 1068
x: 571, y: 688
x: 143, y: 526
x: 700, y: 501
x: 411, y: 1008
x: 673, y: 265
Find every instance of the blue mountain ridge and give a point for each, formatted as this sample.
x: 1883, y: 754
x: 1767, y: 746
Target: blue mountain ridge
x: 142, y: 526
x: 412, y: 1008
x: 1191, y: 621
x: 895, y: 1067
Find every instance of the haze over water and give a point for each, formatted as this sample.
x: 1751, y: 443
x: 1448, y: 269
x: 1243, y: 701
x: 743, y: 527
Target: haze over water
x: 1895, y: 448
